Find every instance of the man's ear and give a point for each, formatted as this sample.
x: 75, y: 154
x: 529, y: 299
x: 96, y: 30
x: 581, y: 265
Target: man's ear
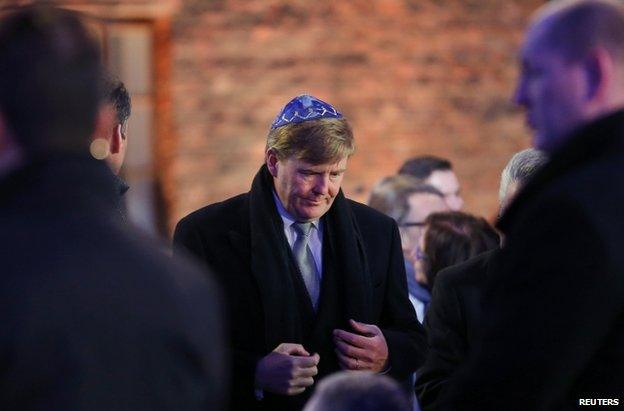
x: 116, y: 139
x: 104, y: 123
x: 272, y: 162
x: 599, y: 72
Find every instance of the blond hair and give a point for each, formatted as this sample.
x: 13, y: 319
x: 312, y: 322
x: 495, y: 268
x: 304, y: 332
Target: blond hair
x: 325, y: 140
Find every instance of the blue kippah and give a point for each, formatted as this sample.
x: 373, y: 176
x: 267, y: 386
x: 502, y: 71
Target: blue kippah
x: 303, y: 108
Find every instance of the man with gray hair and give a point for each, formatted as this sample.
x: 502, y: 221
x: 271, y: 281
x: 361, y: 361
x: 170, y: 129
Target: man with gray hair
x: 523, y: 165
x: 553, y: 332
x: 409, y: 202
x: 358, y: 391
x: 454, y: 317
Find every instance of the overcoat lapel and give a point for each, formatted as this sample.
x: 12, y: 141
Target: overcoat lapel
x: 347, y: 247
x: 270, y: 268
x: 287, y: 317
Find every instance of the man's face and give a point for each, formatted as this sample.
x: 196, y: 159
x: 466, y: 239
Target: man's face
x: 419, y: 263
x: 420, y: 206
x: 551, y: 89
x: 306, y: 190
x: 447, y: 183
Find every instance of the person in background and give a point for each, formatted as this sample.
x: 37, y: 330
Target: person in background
x: 409, y: 203
x: 454, y: 319
x: 111, y: 142
x: 451, y: 238
x: 94, y: 317
x: 517, y: 173
x: 553, y: 329
x: 437, y: 172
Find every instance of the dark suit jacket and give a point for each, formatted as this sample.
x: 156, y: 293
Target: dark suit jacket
x: 219, y: 235
x: 452, y: 325
x: 94, y: 317
x: 554, y: 329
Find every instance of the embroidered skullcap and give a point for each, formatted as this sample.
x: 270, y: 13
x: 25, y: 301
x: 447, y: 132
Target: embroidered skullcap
x: 304, y: 108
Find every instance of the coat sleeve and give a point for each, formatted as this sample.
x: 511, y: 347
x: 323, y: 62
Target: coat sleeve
x: 546, y: 313
x: 404, y: 335
x: 445, y: 328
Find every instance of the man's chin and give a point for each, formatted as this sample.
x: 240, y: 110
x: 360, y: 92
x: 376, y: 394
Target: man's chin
x: 312, y: 213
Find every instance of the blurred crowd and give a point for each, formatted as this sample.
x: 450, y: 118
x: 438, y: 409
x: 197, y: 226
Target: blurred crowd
x: 292, y: 296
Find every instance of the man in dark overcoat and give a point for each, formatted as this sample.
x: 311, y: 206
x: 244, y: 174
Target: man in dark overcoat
x: 314, y: 282
x: 553, y: 336
x: 93, y: 316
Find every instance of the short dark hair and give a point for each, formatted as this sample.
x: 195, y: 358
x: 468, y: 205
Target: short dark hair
x: 117, y: 96
x: 453, y: 237
x: 50, y: 78
x: 422, y: 167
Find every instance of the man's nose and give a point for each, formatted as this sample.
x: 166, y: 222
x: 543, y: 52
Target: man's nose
x: 321, y: 184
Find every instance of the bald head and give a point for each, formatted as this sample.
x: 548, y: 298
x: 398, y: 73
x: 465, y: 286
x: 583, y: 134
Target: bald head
x: 576, y: 27
x: 572, y: 68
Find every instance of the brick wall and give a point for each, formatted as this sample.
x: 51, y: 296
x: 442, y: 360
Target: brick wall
x: 412, y: 76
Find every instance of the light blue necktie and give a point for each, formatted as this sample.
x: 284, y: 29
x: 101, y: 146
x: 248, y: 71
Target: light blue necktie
x: 305, y: 261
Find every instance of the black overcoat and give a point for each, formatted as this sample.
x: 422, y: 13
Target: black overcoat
x: 233, y: 237
x: 92, y: 316
x: 554, y: 330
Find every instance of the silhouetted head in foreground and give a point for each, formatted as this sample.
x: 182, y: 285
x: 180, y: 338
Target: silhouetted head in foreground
x: 50, y: 81
x: 358, y: 391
